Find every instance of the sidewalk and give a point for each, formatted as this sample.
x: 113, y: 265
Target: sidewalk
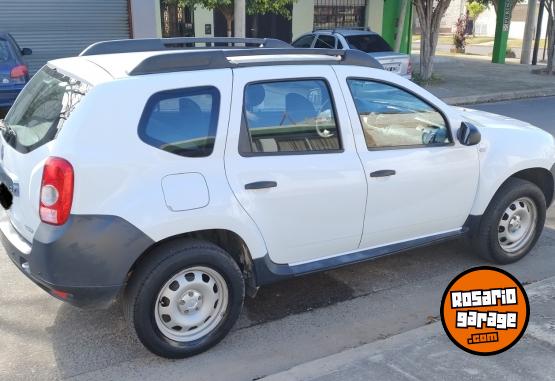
x: 467, y: 80
x: 427, y: 354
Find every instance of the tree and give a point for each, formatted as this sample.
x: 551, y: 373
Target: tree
x: 430, y: 13
x: 254, y: 7
x: 475, y: 9
x: 550, y: 8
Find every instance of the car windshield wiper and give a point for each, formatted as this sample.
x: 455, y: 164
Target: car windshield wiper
x: 7, y: 129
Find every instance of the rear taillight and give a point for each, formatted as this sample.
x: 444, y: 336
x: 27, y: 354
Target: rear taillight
x: 19, y: 72
x: 56, y: 192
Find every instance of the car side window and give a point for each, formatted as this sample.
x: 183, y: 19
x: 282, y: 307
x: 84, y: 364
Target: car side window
x: 182, y: 122
x: 304, y: 42
x: 392, y: 117
x: 290, y: 116
x: 326, y: 42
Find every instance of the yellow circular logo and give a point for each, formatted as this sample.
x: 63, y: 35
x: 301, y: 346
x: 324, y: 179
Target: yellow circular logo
x: 485, y: 311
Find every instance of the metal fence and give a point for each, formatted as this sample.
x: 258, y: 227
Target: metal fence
x: 339, y: 13
x: 177, y: 21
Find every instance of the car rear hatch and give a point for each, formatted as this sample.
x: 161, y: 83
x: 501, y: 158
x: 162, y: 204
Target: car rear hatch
x: 394, y: 62
x: 34, y: 120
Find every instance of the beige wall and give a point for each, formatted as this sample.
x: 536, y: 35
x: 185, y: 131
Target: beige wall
x: 146, y: 18
x: 303, y: 17
x: 374, y: 15
x: 203, y: 16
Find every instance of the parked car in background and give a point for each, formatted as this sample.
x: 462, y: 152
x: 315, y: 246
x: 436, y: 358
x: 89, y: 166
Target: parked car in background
x: 361, y: 39
x: 14, y: 73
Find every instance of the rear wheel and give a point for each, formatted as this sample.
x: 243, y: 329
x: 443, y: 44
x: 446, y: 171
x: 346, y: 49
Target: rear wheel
x: 513, y: 222
x: 184, y: 298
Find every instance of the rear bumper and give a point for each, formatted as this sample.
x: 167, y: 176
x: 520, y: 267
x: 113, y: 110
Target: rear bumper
x: 8, y: 95
x: 85, y: 262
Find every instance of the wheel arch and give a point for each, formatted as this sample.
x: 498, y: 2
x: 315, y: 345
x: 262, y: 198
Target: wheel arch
x: 228, y: 240
x: 540, y: 177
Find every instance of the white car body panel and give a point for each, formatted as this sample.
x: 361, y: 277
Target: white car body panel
x: 433, y: 188
x: 317, y: 208
x: 508, y: 146
x: 129, y: 175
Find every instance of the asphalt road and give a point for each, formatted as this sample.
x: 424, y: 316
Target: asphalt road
x: 287, y: 324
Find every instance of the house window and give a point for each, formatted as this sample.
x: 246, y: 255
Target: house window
x: 339, y: 13
x: 177, y: 20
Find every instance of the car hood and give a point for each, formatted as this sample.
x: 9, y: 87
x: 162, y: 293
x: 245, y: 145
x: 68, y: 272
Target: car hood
x: 488, y: 120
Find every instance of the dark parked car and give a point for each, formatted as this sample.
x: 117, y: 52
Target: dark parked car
x: 14, y: 73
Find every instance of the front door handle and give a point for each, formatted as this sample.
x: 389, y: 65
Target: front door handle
x: 383, y: 173
x: 261, y: 185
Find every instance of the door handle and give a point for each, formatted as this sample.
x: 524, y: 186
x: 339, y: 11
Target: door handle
x: 383, y: 173
x: 261, y: 185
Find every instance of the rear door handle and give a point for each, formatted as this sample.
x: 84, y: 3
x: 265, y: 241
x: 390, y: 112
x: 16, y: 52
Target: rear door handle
x: 383, y: 173
x: 261, y: 185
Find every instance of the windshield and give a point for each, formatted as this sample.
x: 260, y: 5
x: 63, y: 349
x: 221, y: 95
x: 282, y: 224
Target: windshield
x: 369, y: 43
x: 41, y: 109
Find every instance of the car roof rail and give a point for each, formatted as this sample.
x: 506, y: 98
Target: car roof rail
x: 224, y: 58
x: 179, y: 43
x: 334, y: 29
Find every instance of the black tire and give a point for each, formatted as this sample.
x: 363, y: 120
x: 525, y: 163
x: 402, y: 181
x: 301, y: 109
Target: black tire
x: 141, y: 294
x: 485, y: 239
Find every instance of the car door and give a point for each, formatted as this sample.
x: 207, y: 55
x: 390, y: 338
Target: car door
x: 304, y: 41
x: 421, y: 181
x: 292, y: 163
x: 325, y: 41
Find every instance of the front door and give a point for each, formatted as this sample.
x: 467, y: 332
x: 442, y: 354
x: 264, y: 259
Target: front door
x: 421, y: 182
x: 292, y: 163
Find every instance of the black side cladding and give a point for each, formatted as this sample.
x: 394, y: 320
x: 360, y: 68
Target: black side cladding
x: 88, y: 251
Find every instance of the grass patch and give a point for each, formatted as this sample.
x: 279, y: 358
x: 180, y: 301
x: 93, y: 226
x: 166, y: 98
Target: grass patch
x: 416, y: 78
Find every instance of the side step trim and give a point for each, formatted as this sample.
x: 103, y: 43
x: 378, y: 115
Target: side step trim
x: 267, y: 271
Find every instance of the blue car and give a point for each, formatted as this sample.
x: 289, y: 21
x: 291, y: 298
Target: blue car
x: 14, y: 73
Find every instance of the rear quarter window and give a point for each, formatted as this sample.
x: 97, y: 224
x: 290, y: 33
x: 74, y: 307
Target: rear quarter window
x: 41, y: 109
x: 182, y: 122
x: 5, y: 51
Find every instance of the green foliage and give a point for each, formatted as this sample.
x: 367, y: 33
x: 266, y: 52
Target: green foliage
x: 475, y: 9
x: 253, y: 7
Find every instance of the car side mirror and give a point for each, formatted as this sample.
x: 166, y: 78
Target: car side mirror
x: 468, y: 134
x: 26, y: 51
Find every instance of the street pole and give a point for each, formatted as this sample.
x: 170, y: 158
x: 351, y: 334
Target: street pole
x: 528, y: 33
x: 502, y: 31
x: 401, y: 25
x: 538, y: 33
x: 239, y: 18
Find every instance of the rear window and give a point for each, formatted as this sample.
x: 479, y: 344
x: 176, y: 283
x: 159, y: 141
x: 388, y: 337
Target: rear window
x: 182, y: 122
x: 369, y: 43
x: 41, y: 109
x: 5, y: 52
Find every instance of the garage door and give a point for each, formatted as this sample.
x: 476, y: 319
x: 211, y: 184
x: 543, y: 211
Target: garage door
x: 62, y: 28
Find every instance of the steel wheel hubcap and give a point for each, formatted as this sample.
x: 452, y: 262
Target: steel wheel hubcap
x: 191, y: 304
x: 517, y: 225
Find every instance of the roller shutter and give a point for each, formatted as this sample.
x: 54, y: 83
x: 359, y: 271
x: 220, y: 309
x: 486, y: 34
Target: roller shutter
x: 62, y: 28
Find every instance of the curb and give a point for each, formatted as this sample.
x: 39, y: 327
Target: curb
x: 325, y: 367
x: 497, y: 97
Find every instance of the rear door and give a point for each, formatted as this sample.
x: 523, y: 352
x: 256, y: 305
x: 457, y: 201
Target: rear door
x: 292, y: 163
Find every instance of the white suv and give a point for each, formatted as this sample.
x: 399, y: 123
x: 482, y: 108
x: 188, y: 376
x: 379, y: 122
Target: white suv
x: 184, y: 179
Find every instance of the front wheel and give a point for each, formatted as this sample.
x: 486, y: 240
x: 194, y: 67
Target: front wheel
x: 512, y: 223
x: 184, y: 298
